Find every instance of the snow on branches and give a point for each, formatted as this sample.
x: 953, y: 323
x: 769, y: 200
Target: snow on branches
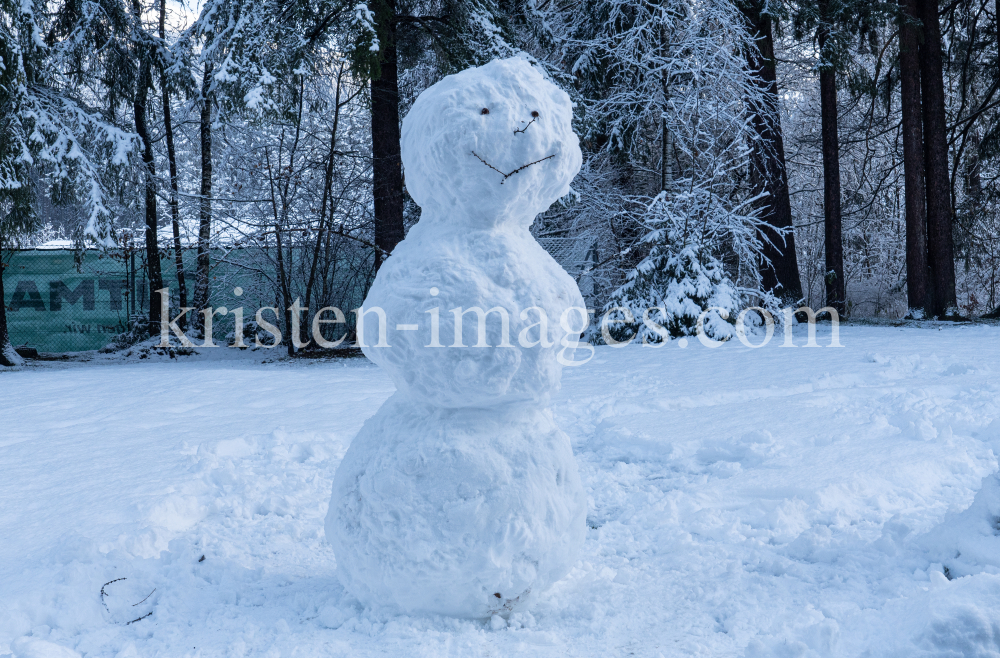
x: 49, y: 131
x: 669, y: 99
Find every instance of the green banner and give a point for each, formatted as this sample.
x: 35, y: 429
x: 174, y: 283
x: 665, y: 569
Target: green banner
x: 55, y: 305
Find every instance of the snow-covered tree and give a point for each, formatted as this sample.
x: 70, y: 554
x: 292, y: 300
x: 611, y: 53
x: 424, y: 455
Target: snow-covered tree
x: 668, y: 101
x: 681, y: 280
x: 51, y: 135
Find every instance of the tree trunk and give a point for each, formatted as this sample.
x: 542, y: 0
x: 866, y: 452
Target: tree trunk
x: 387, y: 165
x: 274, y: 172
x: 286, y: 177
x: 834, y: 246
x: 286, y: 294
x: 940, y: 247
x: 913, y: 158
x: 8, y: 357
x: 175, y: 215
x: 768, y: 175
x: 666, y: 148
x: 139, y: 106
x: 201, y: 285
x: 327, y: 191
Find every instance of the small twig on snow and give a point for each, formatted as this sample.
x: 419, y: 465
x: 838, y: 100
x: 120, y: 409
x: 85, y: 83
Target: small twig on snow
x: 105, y: 594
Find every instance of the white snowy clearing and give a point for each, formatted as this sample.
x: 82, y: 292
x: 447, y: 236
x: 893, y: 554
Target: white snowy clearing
x: 771, y: 502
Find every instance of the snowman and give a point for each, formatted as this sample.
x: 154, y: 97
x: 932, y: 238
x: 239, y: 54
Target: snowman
x: 460, y: 496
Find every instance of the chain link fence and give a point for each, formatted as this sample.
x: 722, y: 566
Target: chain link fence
x: 61, y: 300
x: 56, y: 303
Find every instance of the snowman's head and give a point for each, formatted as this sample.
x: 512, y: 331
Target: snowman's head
x: 490, y: 145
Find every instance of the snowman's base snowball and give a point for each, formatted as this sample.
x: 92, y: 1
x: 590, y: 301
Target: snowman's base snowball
x: 462, y: 512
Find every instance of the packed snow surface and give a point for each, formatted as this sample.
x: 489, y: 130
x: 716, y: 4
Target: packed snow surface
x: 771, y: 502
x: 461, y: 496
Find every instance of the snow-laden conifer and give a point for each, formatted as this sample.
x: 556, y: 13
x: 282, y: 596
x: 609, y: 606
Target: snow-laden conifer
x: 668, y: 98
x: 680, y: 282
x: 51, y: 133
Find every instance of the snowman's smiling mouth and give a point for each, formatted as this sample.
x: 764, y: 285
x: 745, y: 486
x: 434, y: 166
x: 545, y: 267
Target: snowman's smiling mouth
x: 508, y: 175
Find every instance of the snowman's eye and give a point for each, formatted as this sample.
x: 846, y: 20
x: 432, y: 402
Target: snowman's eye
x: 486, y: 110
x: 534, y: 115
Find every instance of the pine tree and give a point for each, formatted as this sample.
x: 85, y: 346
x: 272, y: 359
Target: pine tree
x: 833, y: 24
x: 680, y: 280
x: 668, y: 96
x: 48, y: 133
x: 940, y: 241
x: 768, y: 174
x: 142, y: 55
x: 836, y: 293
x: 913, y: 161
x: 168, y: 133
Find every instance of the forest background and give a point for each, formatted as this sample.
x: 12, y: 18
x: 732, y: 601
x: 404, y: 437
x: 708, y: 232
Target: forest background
x: 830, y: 153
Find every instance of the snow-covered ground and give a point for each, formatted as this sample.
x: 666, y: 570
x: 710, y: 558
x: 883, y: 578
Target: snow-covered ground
x: 771, y: 502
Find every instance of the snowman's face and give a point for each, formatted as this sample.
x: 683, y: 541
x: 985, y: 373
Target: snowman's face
x: 490, y: 145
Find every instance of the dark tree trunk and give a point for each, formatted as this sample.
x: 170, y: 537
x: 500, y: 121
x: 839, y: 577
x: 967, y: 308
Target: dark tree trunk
x: 387, y: 166
x: 139, y: 106
x: 286, y: 294
x: 768, y: 173
x: 834, y: 245
x: 201, y: 285
x: 666, y: 148
x: 274, y: 174
x: 286, y: 178
x: 327, y: 191
x: 175, y: 215
x: 940, y: 247
x: 4, y: 336
x: 913, y: 157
